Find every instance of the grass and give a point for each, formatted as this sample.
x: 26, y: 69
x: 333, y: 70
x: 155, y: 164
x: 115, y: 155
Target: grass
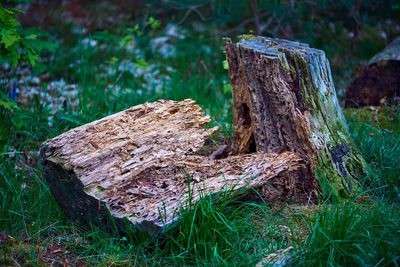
x: 377, y: 134
x: 362, y: 231
x: 350, y: 234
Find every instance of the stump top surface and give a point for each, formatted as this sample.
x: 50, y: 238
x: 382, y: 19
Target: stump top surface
x: 276, y: 47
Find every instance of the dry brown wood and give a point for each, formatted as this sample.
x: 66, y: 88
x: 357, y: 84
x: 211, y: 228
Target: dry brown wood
x: 143, y: 164
x: 288, y: 90
x: 242, y: 113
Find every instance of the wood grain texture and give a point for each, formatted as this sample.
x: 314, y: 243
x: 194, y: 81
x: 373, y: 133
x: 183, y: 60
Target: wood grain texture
x: 242, y: 113
x: 139, y: 165
x: 294, y: 108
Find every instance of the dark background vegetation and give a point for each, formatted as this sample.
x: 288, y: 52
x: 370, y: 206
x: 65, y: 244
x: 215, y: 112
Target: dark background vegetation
x: 350, y: 32
x: 110, y: 55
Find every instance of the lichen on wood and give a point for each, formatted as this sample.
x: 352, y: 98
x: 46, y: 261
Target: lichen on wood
x: 140, y: 166
x: 294, y: 108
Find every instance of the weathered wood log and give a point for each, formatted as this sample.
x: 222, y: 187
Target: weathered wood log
x: 243, y: 124
x: 139, y: 166
x: 379, y: 81
x: 285, y: 100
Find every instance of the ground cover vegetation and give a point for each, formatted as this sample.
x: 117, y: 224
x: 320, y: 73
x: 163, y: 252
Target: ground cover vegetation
x: 109, y: 55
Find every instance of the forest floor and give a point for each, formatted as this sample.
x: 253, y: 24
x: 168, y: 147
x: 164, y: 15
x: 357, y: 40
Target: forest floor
x: 97, y: 73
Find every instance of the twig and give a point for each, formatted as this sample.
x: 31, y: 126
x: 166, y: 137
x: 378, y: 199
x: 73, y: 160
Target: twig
x: 140, y: 190
x: 247, y: 21
x: 93, y: 144
x: 110, y: 194
x: 185, y: 16
x: 200, y: 15
x: 329, y: 90
x: 194, y: 9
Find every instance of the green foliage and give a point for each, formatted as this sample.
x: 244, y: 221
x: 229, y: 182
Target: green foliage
x: 377, y: 134
x: 363, y: 232
x: 217, y: 230
x: 17, y: 44
x: 138, y: 31
x: 123, y: 66
x: 225, y: 64
x: 353, y: 235
x: 154, y: 23
x: 6, y: 102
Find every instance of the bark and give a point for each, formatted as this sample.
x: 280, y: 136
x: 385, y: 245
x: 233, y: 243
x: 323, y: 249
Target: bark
x: 243, y: 125
x: 140, y: 166
x: 379, y: 81
x: 292, y: 106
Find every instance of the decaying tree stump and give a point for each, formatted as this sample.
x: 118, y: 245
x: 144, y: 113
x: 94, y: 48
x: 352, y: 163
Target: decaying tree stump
x: 285, y: 100
x: 143, y: 164
x: 379, y: 80
x: 138, y: 165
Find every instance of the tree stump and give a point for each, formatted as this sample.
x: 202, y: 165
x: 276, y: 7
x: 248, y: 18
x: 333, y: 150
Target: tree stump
x: 140, y: 166
x: 379, y: 81
x: 285, y: 100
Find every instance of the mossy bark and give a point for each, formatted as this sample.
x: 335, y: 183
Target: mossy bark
x: 293, y: 107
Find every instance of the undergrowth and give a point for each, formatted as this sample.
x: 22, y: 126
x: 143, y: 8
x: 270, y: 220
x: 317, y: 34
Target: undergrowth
x: 351, y: 234
x: 111, y: 72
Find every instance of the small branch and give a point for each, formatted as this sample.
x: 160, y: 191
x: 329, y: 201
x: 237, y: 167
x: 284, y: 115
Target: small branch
x: 200, y: 15
x: 247, y: 21
x: 185, y: 16
x: 254, y: 6
x: 195, y: 10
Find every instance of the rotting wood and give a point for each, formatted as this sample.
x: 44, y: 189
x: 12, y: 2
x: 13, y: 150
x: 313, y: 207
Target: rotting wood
x: 142, y: 166
x: 144, y: 162
x: 379, y: 81
x: 242, y: 123
x: 293, y: 107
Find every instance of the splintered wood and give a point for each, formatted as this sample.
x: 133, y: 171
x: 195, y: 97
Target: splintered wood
x: 138, y: 166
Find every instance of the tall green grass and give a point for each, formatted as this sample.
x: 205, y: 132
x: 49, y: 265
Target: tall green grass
x: 377, y: 135
x: 224, y: 232
x: 365, y: 231
x: 212, y: 232
x: 349, y: 234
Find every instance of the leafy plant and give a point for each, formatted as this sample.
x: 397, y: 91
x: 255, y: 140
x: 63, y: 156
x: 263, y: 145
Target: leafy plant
x: 18, y: 44
x: 6, y: 102
x: 123, y: 69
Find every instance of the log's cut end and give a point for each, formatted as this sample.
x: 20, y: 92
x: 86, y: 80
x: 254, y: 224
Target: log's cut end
x: 294, y: 108
x: 140, y: 166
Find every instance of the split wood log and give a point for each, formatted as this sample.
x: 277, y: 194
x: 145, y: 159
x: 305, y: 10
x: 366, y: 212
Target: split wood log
x: 379, y: 81
x: 140, y: 166
x: 285, y: 100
